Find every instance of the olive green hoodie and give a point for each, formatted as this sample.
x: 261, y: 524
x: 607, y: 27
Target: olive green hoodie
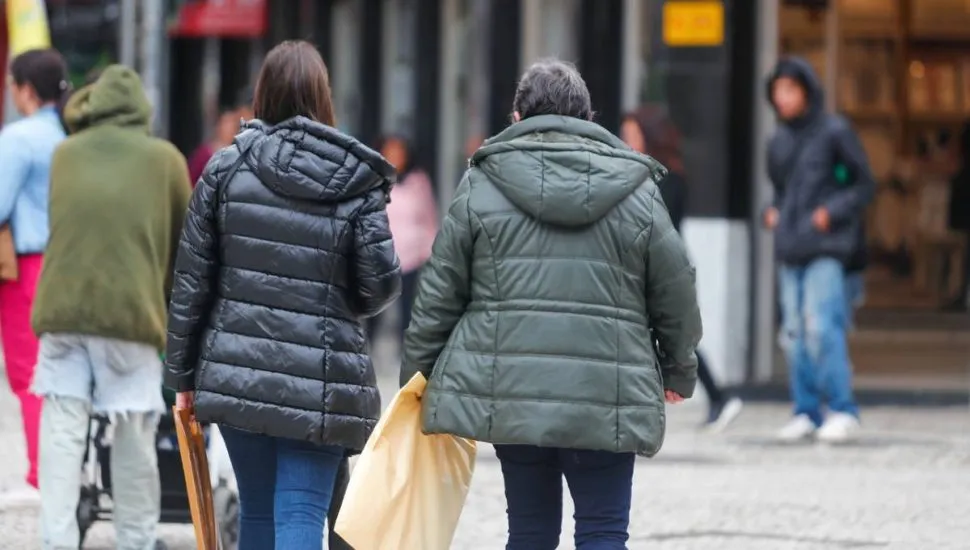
x: 117, y: 201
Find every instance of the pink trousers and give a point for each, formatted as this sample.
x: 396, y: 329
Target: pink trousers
x: 20, y: 348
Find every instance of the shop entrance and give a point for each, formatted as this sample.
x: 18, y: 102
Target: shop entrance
x: 899, y: 71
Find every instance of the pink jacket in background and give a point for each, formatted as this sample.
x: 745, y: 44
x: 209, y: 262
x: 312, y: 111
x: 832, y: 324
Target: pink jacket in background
x: 414, y: 219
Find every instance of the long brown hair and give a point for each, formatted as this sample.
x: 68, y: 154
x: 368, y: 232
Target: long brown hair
x: 293, y: 82
x: 661, y: 137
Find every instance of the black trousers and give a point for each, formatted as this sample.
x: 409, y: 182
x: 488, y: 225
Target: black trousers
x: 707, y: 380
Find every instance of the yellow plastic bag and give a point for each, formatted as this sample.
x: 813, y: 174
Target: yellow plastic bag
x: 407, y: 490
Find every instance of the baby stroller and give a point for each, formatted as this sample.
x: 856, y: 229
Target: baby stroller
x: 95, y: 500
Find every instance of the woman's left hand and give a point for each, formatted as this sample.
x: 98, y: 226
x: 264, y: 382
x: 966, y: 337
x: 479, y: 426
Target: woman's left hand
x: 185, y: 400
x: 673, y: 397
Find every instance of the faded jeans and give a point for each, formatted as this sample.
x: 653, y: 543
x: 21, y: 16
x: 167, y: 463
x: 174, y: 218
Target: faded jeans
x: 77, y: 375
x: 815, y: 320
x: 285, y: 488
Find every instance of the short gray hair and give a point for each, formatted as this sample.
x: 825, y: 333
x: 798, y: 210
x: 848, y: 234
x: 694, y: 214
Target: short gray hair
x: 552, y: 87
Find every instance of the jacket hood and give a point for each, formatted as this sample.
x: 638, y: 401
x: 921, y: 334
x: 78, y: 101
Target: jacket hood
x: 564, y: 171
x: 116, y: 98
x: 305, y: 159
x: 802, y: 71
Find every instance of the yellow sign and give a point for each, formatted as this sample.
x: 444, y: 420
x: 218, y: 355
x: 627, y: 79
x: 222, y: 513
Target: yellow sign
x: 28, y: 28
x: 697, y: 24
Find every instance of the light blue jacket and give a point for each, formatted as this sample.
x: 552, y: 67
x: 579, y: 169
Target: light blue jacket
x: 26, y: 149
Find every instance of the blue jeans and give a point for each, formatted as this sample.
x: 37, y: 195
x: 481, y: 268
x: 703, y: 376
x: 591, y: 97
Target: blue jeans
x: 855, y: 294
x: 285, y: 488
x: 815, y: 320
x: 600, y: 482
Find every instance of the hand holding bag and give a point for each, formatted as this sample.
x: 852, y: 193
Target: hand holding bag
x: 407, y: 489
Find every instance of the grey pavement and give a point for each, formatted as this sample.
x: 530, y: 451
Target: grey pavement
x: 904, y: 485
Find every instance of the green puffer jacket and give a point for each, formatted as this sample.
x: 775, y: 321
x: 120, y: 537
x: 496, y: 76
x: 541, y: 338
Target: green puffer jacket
x: 556, y: 271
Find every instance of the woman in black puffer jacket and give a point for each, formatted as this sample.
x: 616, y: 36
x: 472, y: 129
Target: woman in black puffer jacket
x: 286, y: 249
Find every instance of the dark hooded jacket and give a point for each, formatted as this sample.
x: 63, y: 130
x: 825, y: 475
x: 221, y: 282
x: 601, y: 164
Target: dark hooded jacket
x: 533, y: 316
x: 276, y: 267
x: 816, y: 160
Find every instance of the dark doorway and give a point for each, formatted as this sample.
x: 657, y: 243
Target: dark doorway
x: 185, y: 106
x: 601, y: 57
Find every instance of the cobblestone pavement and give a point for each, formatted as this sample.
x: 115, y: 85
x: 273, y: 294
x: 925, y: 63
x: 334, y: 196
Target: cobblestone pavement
x: 904, y: 485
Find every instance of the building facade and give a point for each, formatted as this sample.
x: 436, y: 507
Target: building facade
x: 442, y: 73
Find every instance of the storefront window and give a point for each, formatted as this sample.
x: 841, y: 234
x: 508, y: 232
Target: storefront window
x: 86, y: 33
x: 689, y: 84
x: 651, y: 70
x: 902, y: 83
x: 400, y: 27
x: 345, y: 66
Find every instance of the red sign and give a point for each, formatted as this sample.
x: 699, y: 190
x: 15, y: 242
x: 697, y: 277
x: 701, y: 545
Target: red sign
x: 225, y: 18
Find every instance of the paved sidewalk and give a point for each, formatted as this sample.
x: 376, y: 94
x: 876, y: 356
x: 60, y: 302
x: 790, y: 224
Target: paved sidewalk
x: 904, y: 485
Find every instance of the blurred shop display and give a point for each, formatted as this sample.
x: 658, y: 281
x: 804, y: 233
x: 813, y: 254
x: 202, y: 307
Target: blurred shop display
x: 86, y: 32
x: 902, y: 77
x: 223, y: 18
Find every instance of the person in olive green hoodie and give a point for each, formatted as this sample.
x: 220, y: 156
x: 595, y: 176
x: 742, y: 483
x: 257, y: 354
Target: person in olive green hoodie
x: 118, y: 197
x: 556, y: 267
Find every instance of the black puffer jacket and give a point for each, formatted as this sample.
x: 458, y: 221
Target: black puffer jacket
x: 275, y: 270
x: 805, y: 158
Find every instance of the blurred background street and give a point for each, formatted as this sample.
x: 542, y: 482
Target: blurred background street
x: 439, y: 76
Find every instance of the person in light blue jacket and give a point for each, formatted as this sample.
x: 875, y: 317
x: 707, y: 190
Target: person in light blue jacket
x: 38, y: 86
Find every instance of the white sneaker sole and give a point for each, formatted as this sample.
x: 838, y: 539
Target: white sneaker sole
x: 729, y: 414
x: 835, y: 439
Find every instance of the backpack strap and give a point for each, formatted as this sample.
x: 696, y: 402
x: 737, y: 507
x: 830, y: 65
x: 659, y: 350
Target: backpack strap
x: 220, y: 185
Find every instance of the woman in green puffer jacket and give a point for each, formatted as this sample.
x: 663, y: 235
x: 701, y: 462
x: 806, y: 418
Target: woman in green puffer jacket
x: 533, y: 317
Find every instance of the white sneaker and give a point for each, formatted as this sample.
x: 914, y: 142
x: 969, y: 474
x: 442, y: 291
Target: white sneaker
x: 721, y: 415
x: 839, y: 428
x: 798, y: 428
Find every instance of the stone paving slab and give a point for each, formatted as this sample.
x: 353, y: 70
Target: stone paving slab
x: 904, y: 485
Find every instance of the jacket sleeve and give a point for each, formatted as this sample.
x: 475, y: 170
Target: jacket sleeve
x: 377, y: 270
x: 774, y: 170
x: 195, y: 279
x: 851, y: 200
x: 444, y: 289
x: 672, y: 303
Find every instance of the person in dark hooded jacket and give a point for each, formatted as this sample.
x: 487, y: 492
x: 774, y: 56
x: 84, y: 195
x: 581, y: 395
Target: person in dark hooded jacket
x: 533, y: 316
x: 286, y: 249
x: 822, y: 186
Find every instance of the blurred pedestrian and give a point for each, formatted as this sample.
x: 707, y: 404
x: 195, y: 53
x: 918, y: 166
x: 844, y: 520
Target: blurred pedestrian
x: 414, y: 219
x: 285, y: 251
x: 649, y: 130
x: 38, y: 83
x: 227, y: 126
x: 959, y: 214
x: 533, y: 316
x: 118, y: 199
x: 822, y: 186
